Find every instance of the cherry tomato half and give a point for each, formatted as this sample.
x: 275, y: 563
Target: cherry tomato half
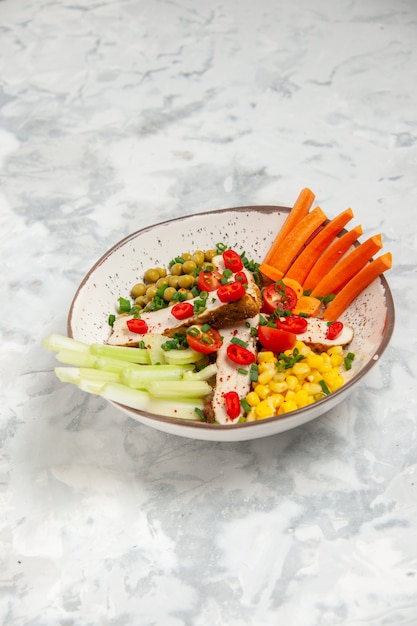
x: 209, y: 281
x: 275, y: 339
x: 279, y: 296
x: 240, y: 354
x: 292, y: 323
x: 232, y: 260
x: 205, y: 341
x: 182, y: 310
x: 230, y: 292
x: 334, y: 330
x: 232, y: 402
x: 136, y: 325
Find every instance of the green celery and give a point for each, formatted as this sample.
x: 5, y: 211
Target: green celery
x: 56, y: 342
x: 174, y: 389
x: 78, y: 359
x: 203, y: 374
x: 131, y: 355
x: 188, y: 355
x: 140, y: 377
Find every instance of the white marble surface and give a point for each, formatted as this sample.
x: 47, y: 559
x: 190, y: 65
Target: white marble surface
x: 118, y: 114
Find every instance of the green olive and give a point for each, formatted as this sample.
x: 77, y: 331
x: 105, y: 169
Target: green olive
x: 198, y: 257
x: 210, y: 254
x: 176, y: 269
x: 139, y: 302
x: 151, y: 275
x: 188, y: 267
x: 174, y: 281
x: 151, y: 291
x: 169, y: 293
x: 138, y: 290
x: 186, y: 281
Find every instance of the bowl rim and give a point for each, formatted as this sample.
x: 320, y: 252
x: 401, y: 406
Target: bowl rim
x: 386, y: 337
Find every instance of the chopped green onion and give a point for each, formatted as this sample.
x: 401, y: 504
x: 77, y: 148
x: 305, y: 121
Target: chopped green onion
x: 124, y: 305
x: 253, y: 374
x: 239, y: 342
x: 245, y: 405
x: 111, y: 319
x: 348, y: 360
x: 200, y: 414
x: 220, y: 247
x: 242, y: 370
x: 324, y: 387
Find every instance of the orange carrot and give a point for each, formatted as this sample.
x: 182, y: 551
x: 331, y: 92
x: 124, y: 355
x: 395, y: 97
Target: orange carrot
x: 296, y: 239
x: 270, y: 272
x: 330, y: 256
x: 356, y: 284
x: 347, y: 267
x: 290, y: 282
x: 299, y: 210
x: 304, y: 262
x: 308, y: 305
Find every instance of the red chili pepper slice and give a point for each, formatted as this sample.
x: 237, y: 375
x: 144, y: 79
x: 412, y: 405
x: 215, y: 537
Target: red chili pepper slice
x: 292, y: 323
x: 206, y: 341
x: 209, y: 281
x: 231, y: 291
x: 136, y: 325
x: 232, y: 404
x: 241, y: 278
x: 334, y: 330
x: 240, y: 354
x: 232, y: 260
x: 275, y: 339
x: 182, y: 310
x: 279, y: 296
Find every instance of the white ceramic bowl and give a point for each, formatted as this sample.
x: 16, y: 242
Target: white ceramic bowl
x: 250, y: 229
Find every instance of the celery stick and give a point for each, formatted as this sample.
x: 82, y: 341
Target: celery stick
x: 140, y: 400
x: 187, y: 355
x: 153, y: 342
x: 56, y: 342
x: 177, y: 389
x: 203, y: 374
x: 114, y: 365
x: 78, y: 359
x: 88, y: 373
x: 131, y: 355
x: 139, y: 377
x: 68, y: 374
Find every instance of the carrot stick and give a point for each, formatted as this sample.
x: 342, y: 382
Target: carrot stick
x: 313, y: 250
x: 356, y: 284
x: 308, y: 305
x: 297, y: 238
x: 330, y: 256
x: 347, y: 267
x: 299, y: 210
x: 271, y: 272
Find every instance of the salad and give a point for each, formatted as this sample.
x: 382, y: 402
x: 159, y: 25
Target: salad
x: 219, y: 338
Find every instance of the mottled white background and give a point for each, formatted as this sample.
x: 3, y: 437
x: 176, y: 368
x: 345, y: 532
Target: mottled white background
x: 116, y: 114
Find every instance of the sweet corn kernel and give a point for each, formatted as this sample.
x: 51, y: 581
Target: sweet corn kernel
x: 292, y: 381
x: 275, y: 400
x: 312, y: 388
x: 300, y: 369
x: 278, y: 386
x: 279, y: 376
x: 262, y: 391
x: 336, y: 360
x: 302, y: 348
x: 263, y: 409
x: 287, y: 406
x: 265, y: 376
x: 314, y: 361
x: 302, y: 398
x: 252, y: 399
x: 251, y: 416
x: 266, y: 356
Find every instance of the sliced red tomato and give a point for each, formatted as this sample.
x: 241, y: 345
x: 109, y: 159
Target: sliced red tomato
x: 232, y: 261
x: 182, y: 310
x: 279, y: 296
x: 240, y: 354
x: 334, y: 330
x: 232, y: 402
x: 203, y: 339
x: 136, y: 325
x: 275, y: 339
x: 292, y: 323
x: 209, y: 281
x: 230, y: 292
